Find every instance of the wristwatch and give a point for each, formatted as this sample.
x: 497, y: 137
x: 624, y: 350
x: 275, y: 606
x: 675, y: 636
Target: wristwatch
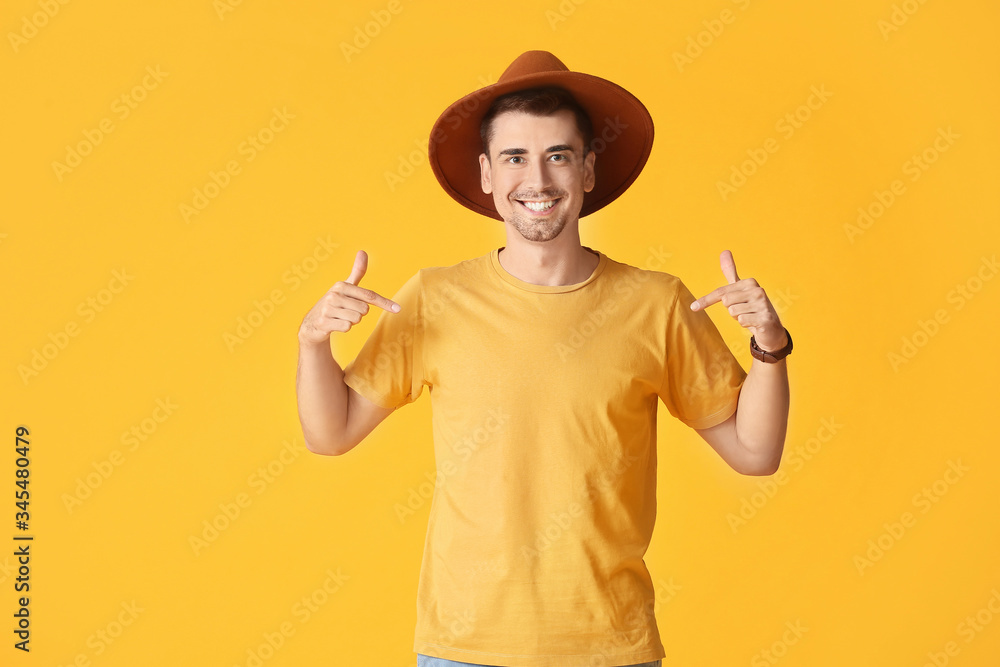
x: 770, y: 357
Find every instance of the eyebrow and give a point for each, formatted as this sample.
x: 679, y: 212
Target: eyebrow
x: 551, y: 149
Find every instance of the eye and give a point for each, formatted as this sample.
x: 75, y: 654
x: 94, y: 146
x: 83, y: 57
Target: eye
x: 515, y: 157
x: 559, y: 157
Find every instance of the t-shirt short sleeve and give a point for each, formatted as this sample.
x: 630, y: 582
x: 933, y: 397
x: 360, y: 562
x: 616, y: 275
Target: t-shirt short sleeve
x: 702, y: 379
x: 388, y: 369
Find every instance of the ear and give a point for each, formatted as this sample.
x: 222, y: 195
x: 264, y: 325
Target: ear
x: 588, y: 171
x: 484, y: 174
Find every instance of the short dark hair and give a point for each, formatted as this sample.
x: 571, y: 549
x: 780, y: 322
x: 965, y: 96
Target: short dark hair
x: 543, y: 101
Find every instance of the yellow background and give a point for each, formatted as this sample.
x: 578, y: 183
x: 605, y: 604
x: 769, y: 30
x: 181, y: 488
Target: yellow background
x: 726, y: 590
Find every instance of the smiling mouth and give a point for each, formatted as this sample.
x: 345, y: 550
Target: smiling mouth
x: 538, y: 206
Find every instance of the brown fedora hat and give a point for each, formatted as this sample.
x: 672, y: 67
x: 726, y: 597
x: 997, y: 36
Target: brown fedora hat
x: 623, y: 132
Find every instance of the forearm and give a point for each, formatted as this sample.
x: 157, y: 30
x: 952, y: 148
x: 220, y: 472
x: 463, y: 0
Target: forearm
x: 762, y: 413
x: 322, y: 398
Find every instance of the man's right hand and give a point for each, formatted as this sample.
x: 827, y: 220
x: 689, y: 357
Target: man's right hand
x: 342, y: 306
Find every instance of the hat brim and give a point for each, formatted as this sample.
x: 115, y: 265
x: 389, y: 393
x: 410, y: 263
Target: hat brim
x: 623, y: 138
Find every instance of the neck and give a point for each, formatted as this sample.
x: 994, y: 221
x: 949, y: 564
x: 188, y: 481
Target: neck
x: 561, y: 261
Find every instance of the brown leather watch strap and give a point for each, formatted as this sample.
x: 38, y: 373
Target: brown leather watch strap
x: 770, y: 357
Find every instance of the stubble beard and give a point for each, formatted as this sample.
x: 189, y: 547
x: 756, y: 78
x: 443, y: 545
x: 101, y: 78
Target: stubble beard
x: 538, y: 229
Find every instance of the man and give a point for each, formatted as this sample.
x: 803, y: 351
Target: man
x: 545, y: 360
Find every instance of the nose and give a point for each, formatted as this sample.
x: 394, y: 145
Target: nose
x: 538, y: 176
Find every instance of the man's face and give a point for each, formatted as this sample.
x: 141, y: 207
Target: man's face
x: 537, y: 172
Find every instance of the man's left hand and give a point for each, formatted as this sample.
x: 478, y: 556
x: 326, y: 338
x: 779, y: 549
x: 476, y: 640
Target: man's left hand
x: 748, y: 303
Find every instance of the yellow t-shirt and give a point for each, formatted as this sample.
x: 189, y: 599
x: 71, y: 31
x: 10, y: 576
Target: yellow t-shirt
x: 544, y: 402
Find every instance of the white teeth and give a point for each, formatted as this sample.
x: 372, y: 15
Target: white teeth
x: 539, y: 205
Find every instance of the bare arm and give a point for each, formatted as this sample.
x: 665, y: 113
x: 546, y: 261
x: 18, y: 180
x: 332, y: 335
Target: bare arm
x: 322, y: 398
x: 334, y: 417
x: 752, y: 440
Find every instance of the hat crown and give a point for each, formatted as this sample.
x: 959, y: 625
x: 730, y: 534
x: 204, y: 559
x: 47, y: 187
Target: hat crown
x: 532, y: 62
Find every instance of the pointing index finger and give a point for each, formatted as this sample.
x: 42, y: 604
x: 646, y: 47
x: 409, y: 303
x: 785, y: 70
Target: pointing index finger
x: 376, y: 299
x: 371, y: 296
x: 729, y: 271
x: 712, y: 297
